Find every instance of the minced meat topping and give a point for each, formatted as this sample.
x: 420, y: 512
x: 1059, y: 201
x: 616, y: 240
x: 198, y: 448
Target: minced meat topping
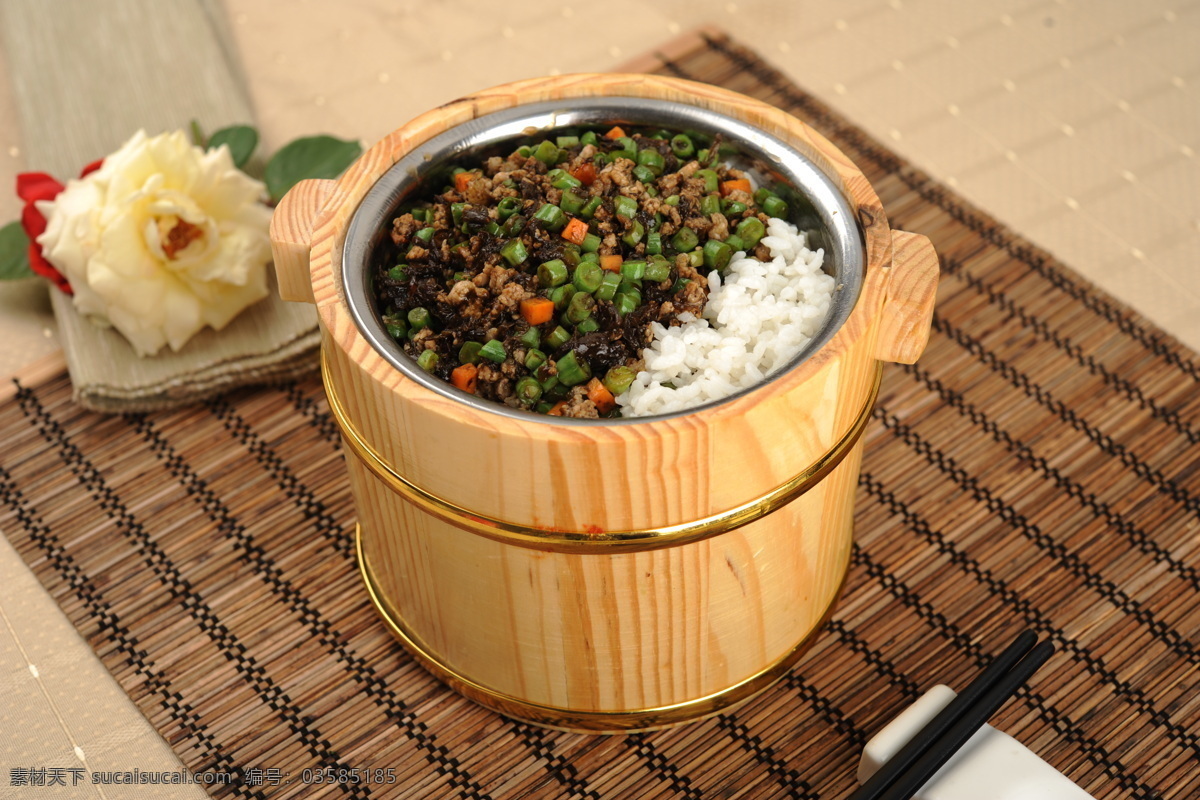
x: 533, y: 279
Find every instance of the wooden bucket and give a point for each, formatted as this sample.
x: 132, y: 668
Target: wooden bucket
x: 606, y: 578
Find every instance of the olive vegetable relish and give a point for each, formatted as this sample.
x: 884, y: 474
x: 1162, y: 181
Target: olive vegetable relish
x: 533, y: 280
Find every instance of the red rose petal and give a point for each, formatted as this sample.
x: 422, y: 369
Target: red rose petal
x: 32, y: 221
x: 33, y: 186
x: 42, y: 267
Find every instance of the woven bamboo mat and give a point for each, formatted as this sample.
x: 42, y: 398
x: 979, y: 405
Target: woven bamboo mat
x: 1037, y: 468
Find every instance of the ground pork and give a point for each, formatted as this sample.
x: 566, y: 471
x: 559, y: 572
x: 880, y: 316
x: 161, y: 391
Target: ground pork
x: 579, y: 406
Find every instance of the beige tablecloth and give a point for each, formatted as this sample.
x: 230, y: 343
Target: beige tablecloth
x: 1077, y: 123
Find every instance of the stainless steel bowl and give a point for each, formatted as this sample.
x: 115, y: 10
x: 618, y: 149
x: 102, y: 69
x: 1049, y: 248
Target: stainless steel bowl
x: 814, y: 202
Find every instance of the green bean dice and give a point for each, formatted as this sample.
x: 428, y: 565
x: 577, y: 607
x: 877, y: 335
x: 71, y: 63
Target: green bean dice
x: 571, y: 255
x: 651, y: 160
x: 514, y: 252
x: 589, y: 210
x: 625, y: 302
x: 418, y: 317
x: 531, y: 337
x: 396, y: 327
x: 546, y: 153
x: 513, y: 225
x: 427, y: 360
x: 507, y: 207
x: 775, y: 207
x: 658, y: 269
x: 572, y: 202
x: 644, y: 175
x: 618, y: 379
x: 557, y: 337
x: 654, y: 243
x: 528, y: 390
x: 572, y: 370
x: 561, y: 179
x: 634, y: 234
x: 717, y: 254
x: 634, y: 270
x: 551, y: 216
x: 710, y: 178
x: 588, y: 277
x: 580, y: 307
x: 494, y: 351
x: 562, y: 295
x: 534, y: 359
x: 751, y: 231
x: 608, y: 286
x: 469, y: 353
x: 626, y: 207
x: 552, y: 273
x: 684, y: 240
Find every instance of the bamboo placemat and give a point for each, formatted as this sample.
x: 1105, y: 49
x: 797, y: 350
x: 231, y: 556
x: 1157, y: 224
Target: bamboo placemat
x: 1037, y: 468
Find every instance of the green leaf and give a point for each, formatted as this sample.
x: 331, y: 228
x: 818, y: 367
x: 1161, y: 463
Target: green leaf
x: 197, y: 134
x: 310, y: 157
x: 14, y: 253
x: 242, y: 139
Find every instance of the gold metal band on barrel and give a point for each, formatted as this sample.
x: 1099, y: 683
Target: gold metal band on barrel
x: 584, y: 541
x: 575, y: 720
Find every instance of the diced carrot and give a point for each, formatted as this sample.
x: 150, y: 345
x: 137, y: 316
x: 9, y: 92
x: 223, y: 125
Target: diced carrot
x: 464, y: 377
x: 616, y: 133
x: 585, y: 173
x: 576, y: 231
x: 611, y: 263
x: 537, y: 310
x: 557, y: 409
x: 462, y: 180
x: 600, y: 396
x: 728, y: 187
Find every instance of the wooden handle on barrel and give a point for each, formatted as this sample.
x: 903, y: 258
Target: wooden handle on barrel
x: 291, y: 237
x: 908, y: 307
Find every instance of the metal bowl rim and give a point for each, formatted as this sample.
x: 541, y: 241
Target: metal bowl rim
x: 393, y: 186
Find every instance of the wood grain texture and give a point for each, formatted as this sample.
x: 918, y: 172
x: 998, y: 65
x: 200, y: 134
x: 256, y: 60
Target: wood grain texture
x: 903, y: 328
x: 558, y: 629
x: 291, y: 237
x: 622, y: 632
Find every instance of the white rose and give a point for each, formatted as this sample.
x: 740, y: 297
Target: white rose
x: 162, y: 240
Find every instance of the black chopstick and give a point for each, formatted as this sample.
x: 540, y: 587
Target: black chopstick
x: 903, y: 774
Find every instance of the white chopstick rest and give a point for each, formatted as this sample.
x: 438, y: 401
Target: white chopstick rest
x: 990, y: 766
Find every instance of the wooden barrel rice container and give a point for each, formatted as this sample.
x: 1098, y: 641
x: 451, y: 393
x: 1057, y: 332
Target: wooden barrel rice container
x: 591, y: 576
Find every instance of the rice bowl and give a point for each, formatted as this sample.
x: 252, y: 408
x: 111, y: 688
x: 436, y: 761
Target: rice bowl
x: 612, y: 574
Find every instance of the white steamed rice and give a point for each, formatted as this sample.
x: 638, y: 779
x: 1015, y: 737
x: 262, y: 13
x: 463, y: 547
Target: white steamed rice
x: 759, y: 315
